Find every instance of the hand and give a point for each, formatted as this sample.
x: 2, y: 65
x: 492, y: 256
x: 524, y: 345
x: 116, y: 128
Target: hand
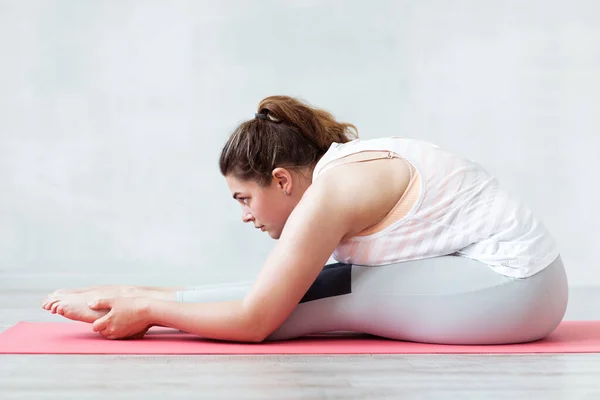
x: 127, y: 318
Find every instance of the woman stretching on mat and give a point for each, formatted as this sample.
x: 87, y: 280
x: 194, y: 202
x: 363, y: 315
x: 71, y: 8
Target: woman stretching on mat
x: 429, y: 247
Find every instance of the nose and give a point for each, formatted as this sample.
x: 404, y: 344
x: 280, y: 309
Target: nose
x: 246, y: 216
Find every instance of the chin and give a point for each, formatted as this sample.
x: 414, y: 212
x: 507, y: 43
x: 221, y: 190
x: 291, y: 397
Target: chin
x: 274, y: 235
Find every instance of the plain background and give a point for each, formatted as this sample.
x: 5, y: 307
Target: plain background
x: 113, y: 114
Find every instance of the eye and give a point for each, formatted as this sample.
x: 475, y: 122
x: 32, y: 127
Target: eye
x: 243, y: 200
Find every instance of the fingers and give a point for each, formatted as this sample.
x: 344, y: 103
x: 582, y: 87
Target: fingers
x: 109, y: 333
x: 102, y: 326
x: 136, y: 336
x: 106, y: 333
x: 100, y: 304
x: 102, y: 323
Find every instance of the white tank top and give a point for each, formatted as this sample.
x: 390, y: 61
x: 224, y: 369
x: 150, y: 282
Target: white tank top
x: 460, y: 210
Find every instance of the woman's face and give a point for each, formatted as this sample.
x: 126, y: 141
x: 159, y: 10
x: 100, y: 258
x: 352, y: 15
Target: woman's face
x: 268, y: 208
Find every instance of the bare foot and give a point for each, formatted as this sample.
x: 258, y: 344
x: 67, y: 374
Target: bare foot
x: 78, y: 290
x: 105, y: 292
x: 55, y: 298
x: 98, y: 288
x: 78, y: 311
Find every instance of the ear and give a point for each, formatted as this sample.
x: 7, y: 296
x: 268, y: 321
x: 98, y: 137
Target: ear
x: 283, y: 179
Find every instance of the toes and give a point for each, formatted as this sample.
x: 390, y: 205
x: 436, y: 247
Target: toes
x: 51, y: 303
x: 45, y: 301
x: 60, y: 310
x: 53, y: 307
x: 48, y: 302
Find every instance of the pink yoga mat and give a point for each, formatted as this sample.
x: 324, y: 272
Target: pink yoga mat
x: 78, y: 338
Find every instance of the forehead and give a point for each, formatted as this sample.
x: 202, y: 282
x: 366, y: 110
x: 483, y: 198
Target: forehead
x: 237, y: 185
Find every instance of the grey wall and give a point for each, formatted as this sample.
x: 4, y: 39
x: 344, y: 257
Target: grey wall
x: 113, y: 113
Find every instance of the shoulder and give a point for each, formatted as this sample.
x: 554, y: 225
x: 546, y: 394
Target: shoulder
x: 360, y: 193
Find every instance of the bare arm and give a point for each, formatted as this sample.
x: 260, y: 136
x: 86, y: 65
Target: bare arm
x: 344, y: 201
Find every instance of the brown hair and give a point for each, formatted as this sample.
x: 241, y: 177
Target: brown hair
x: 286, y: 132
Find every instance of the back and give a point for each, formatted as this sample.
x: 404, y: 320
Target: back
x: 460, y: 209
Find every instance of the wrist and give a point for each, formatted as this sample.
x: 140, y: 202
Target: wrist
x: 147, y: 308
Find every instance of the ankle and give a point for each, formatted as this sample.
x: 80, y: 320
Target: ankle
x: 152, y: 293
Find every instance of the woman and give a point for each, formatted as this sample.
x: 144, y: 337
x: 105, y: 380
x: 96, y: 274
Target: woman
x: 430, y: 247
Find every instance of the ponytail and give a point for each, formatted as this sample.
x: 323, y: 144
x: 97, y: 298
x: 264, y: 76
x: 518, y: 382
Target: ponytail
x: 314, y: 124
x: 285, y: 132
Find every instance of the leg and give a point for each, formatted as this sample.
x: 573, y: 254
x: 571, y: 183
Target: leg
x: 453, y: 300
x: 74, y: 306
x: 237, y: 290
x: 324, y: 307
x: 190, y: 293
x: 448, y: 300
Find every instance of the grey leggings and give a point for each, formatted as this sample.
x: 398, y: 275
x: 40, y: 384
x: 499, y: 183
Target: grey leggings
x: 448, y: 300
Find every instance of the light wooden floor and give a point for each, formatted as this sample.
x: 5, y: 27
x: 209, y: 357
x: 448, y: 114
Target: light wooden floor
x: 575, y: 376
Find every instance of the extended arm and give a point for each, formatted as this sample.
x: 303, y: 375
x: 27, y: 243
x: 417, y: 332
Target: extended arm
x: 343, y: 202
x: 307, y: 241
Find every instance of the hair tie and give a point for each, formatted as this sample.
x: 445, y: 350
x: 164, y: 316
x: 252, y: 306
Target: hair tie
x: 261, y: 116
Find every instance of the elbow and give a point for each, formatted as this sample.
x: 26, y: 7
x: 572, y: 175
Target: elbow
x: 256, y: 339
x: 252, y: 337
x: 256, y: 329
x: 256, y: 334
